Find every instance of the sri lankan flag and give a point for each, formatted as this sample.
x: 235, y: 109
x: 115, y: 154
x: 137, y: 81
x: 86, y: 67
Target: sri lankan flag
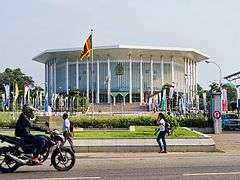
x: 86, y: 51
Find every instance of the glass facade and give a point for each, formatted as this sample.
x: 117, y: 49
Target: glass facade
x: 72, y: 76
x: 120, y: 76
x: 61, y: 76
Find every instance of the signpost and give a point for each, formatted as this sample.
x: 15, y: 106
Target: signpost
x: 216, y: 112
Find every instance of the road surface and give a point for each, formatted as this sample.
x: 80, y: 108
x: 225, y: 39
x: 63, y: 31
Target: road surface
x: 189, y: 166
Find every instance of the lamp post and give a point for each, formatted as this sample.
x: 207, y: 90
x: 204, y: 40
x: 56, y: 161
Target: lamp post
x: 220, y: 72
x: 216, y: 107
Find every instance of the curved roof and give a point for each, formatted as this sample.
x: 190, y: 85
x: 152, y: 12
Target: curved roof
x: 121, y: 51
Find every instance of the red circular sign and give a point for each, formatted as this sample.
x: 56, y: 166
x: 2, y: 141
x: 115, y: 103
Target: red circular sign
x: 216, y: 114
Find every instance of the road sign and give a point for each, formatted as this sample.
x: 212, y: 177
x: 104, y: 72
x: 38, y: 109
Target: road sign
x: 217, y: 114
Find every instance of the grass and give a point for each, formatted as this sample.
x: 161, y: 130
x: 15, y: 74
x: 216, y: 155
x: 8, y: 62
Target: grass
x: 140, y: 132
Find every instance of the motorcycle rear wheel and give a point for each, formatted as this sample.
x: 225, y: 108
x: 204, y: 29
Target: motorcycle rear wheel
x: 64, y: 160
x: 7, y: 165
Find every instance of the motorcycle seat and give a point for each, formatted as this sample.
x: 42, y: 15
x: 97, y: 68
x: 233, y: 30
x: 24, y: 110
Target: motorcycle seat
x: 11, y: 139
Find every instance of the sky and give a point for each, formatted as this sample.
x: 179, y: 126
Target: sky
x: 29, y: 27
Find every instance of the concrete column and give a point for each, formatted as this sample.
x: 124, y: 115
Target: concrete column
x: 172, y: 65
x: 67, y: 76
x: 46, y: 77
x: 188, y: 80
x: 130, y: 79
x: 87, y: 78
x: 114, y: 100
x: 55, y: 76
x: 98, y: 89
x: 196, y: 78
x: 151, y: 73
x: 109, y: 81
x: 191, y: 82
x: 141, y: 81
x: 77, y: 74
x: 162, y: 71
x: 51, y: 77
x: 185, y: 75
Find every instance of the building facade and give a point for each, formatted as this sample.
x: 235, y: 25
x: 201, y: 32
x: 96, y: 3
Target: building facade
x: 133, y: 72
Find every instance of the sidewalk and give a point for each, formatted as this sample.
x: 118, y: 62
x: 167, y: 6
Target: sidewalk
x: 228, y: 141
x: 143, y: 145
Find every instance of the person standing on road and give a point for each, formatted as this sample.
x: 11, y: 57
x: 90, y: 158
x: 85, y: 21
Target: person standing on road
x: 161, y: 121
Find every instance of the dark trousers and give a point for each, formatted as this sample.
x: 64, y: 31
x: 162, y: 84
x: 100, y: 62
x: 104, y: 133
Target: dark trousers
x: 37, y: 141
x: 161, y: 137
x: 68, y: 138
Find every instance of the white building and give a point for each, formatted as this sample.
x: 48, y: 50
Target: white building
x: 133, y: 72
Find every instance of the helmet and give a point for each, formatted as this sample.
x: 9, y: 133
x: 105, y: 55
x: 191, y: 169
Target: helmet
x: 28, y: 111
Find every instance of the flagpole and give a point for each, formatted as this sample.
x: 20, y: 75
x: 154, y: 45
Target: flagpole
x: 92, y: 74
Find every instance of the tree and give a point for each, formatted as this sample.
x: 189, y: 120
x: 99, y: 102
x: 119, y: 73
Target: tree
x: 214, y: 87
x: 11, y: 76
x: 231, y: 95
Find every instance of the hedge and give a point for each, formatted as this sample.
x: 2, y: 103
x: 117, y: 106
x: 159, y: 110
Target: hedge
x: 7, y: 120
x: 112, y: 121
x: 118, y: 121
x: 194, y: 120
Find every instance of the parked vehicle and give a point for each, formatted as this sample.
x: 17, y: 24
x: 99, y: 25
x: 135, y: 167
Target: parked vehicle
x: 230, y: 122
x: 19, y: 153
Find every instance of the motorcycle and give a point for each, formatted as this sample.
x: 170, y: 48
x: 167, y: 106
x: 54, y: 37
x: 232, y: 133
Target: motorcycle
x: 18, y: 153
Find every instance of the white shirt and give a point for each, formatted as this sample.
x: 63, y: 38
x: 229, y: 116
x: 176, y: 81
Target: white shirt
x: 162, y: 125
x: 66, y: 125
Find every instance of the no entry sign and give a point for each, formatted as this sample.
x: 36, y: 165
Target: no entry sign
x: 216, y: 114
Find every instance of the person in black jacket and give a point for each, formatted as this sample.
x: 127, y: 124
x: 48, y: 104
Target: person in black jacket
x: 22, y: 130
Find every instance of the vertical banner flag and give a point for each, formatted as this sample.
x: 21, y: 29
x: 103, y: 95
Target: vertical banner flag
x: 224, y: 101
x: 7, y: 96
x: 16, y: 92
x: 205, y: 101
x: 40, y: 98
x: 46, y: 103
x: 238, y: 97
x: 3, y: 101
x: 184, y: 103
x: 171, y: 92
x: 164, y: 101
x: 26, y: 92
x: 197, y: 102
x: 159, y: 100
x: 86, y: 51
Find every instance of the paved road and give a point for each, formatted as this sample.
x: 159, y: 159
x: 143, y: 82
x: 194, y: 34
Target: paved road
x: 140, y: 166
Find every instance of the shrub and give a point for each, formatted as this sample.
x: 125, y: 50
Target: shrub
x: 173, y: 121
x: 8, y: 120
x: 194, y: 120
x: 112, y: 121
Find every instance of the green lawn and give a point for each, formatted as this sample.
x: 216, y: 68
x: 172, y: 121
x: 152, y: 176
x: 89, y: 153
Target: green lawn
x: 141, y: 132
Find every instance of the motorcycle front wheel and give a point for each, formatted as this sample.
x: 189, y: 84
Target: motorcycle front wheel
x: 7, y: 165
x: 63, y: 160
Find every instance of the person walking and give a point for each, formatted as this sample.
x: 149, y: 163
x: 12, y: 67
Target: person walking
x: 161, y: 121
x: 66, y: 130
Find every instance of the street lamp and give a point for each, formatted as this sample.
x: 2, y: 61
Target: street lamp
x: 220, y: 72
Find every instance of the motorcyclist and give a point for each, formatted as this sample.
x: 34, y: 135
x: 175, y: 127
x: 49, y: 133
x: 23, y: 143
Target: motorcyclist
x: 22, y: 130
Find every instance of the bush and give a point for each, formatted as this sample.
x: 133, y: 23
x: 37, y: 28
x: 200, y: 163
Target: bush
x: 7, y: 120
x: 173, y: 121
x: 112, y: 121
x: 194, y: 120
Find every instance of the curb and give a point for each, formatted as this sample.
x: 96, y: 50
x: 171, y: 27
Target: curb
x: 143, y: 145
